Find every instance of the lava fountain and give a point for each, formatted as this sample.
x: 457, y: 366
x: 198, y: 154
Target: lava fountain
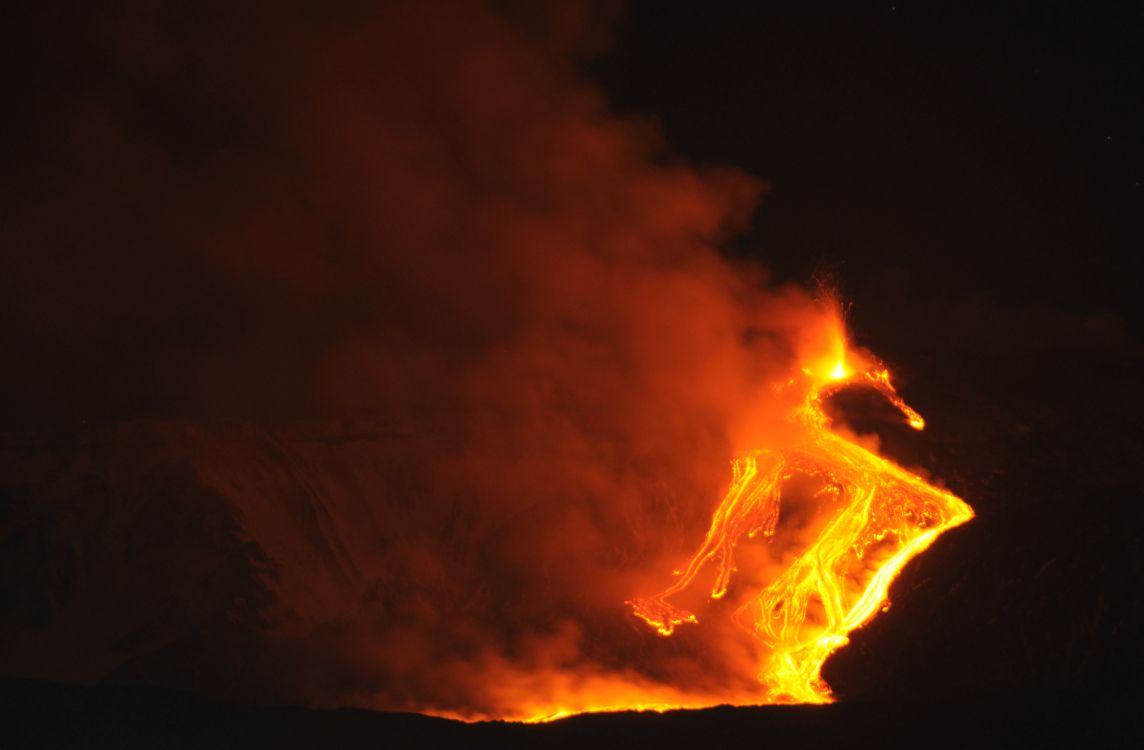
x: 878, y: 516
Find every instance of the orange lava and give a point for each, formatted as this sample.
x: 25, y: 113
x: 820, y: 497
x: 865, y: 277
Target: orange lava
x: 796, y: 594
x: 881, y: 516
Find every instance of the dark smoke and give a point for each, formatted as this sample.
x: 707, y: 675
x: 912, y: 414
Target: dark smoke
x: 366, y: 356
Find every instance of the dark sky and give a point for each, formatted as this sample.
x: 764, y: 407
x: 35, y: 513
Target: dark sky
x: 377, y: 222
x: 989, y: 149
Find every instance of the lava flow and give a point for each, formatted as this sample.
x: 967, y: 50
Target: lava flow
x: 877, y: 517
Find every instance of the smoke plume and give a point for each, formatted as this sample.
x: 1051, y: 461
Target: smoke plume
x: 382, y: 362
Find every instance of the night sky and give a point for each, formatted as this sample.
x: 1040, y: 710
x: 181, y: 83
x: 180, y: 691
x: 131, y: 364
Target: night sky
x: 975, y: 152
x: 311, y: 255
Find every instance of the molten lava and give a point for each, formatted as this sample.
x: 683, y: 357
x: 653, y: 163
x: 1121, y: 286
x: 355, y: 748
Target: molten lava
x: 877, y: 517
x: 801, y: 550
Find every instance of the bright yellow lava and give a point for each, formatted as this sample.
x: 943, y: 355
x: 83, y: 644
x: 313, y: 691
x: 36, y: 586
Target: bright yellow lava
x: 868, y: 518
x: 881, y: 517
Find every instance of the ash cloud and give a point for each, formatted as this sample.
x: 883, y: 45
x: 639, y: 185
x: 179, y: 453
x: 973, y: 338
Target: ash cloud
x: 436, y: 356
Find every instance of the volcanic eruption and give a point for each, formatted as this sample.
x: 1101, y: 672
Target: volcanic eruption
x: 379, y: 363
x: 878, y: 517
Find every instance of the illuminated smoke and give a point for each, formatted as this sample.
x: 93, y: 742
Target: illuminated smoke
x: 435, y: 356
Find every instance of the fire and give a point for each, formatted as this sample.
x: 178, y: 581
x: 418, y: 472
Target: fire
x: 878, y: 517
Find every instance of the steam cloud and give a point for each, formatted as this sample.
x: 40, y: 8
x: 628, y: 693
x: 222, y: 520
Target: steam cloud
x: 390, y: 363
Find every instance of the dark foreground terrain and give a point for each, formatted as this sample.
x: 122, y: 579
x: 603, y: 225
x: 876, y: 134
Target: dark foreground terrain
x: 45, y: 715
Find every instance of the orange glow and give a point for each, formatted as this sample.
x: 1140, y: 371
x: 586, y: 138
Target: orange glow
x: 878, y: 517
x: 801, y: 550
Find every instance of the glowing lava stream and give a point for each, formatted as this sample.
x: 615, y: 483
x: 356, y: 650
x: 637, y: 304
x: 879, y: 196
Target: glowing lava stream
x: 857, y: 520
x: 884, y: 516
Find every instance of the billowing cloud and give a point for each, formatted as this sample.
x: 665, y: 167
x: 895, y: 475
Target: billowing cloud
x: 405, y: 358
